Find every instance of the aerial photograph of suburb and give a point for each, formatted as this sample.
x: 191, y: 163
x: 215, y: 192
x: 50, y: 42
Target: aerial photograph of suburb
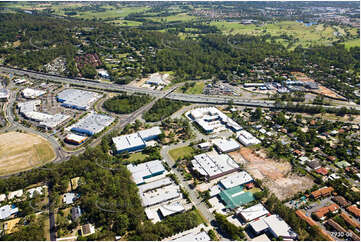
x: 180, y: 120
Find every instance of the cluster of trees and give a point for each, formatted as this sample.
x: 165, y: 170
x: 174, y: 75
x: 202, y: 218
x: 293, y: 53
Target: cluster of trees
x: 126, y: 103
x: 234, y: 232
x: 162, y: 109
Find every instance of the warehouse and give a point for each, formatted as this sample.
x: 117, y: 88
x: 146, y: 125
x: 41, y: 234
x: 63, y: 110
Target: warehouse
x: 212, y: 120
x: 4, y: 94
x: 247, y: 138
x: 237, y: 179
x: 75, y: 139
x: 32, y: 93
x: 213, y: 165
x: 146, y: 170
x: 159, y: 212
x: 274, y: 225
x: 158, y: 191
x: 136, y: 141
x: 77, y: 99
x: 226, y: 145
x: 92, y: 123
x: 193, y: 236
x: 252, y: 213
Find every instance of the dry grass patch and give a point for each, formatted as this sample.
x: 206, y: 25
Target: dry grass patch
x: 20, y: 152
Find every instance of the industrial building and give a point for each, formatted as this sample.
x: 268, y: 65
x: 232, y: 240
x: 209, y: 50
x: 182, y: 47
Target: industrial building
x: 274, y: 225
x: 201, y: 236
x: 28, y: 110
x: 77, y: 99
x: 157, y: 79
x: 159, y: 191
x: 226, y: 145
x: 157, y: 213
x: 252, y: 213
x: 7, y: 211
x: 75, y: 139
x: 212, y: 120
x: 236, y: 197
x: 32, y: 93
x: 92, y: 123
x: 136, y: 141
x: 236, y: 179
x: 4, y: 94
x: 247, y: 138
x: 213, y: 165
x: 146, y: 170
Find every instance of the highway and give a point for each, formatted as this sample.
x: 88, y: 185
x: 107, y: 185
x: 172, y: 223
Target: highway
x: 218, y: 100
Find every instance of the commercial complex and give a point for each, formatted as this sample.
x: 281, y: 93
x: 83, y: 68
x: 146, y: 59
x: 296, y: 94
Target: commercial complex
x: 157, y: 79
x: 136, y: 141
x: 252, y: 213
x: 28, y: 110
x: 226, y: 145
x: 32, y: 93
x: 146, y: 170
x: 77, y: 99
x: 213, y: 165
x: 212, y: 120
x: 92, y: 123
x: 247, y: 138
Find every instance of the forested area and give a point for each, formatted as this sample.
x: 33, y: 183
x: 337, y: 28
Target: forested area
x: 210, y: 54
x: 108, y: 198
x: 124, y: 103
x: 162, y: 109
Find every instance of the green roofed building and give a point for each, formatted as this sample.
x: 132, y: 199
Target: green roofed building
x: 236, y: 197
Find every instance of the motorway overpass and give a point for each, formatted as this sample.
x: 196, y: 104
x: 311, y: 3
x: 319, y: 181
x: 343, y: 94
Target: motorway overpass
x: 130, y: 89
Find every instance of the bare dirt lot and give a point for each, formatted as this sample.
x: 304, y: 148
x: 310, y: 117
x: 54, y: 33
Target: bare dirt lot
x: 322, y: 90
x: 275, y: 175
x: 20, y: 152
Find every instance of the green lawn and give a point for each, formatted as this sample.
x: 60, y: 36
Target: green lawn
x: 315, y: 34
x: 126, y: 22
x: 111, y: 13
x: 180, y: 153
x: 197, y: 89
x: 352, y: 43
x: 136, y: 156
x: 179, y: 17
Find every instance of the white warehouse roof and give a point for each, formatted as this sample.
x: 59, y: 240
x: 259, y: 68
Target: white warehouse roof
x: 92, y: 123
x: 247, y: 138
x: 76, y: 98
x: 144, y: 170
x: 201, y: 236
x: 212, y: 164
x: 149, y: 133
x: 226, y: 145
x: 253, y: 212
x: 236, y: 179
x: 32, y: 93
x: 128, y: 142
x: 279, y: 227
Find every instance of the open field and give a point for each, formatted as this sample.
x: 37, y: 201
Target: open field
x: 178, y: 17
x: 110, y: 13
x: 180, y: 153
x: 275, y: 175
x: 306, y: 35
x: 20, y: 152
x: 352, y: 43
x: 197, y: 89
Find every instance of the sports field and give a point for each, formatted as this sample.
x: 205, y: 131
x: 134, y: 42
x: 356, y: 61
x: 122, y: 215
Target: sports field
x: 20, y: 152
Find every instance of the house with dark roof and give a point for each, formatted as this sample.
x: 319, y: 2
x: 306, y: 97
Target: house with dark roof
x: 340, y: 200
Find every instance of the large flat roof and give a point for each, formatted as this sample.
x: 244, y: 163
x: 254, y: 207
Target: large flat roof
x: 226, y: 145
x: 78, y: 98
x: 253, y: 212
x: 279, y: 227
x: 235, y: 197
x: 201, y: 236
x: 213, y: 164
x: 32, y: 93
x: 236, y: 179
x: 128, y: 141
x: 141, y: 171
x: 93, y: 123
